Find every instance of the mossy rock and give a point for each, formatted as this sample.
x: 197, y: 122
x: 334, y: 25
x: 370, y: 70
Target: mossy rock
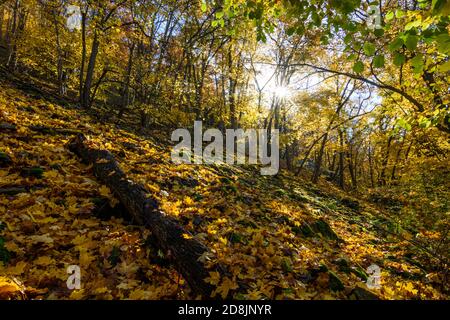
x: 236, y: 238
x: 298, y: 197
x: 350, y: 203
x: 5, y: 160
x: 306, y: 230
x: 36, y: 172
x: 247, y: 223
x: 344, y: 265
x: 335, y: 283
x: 322, y: 227
x: 359, y: 272
x: 5, y: 255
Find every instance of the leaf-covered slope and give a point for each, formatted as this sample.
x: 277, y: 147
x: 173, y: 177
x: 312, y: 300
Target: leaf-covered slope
x: 277, y: 237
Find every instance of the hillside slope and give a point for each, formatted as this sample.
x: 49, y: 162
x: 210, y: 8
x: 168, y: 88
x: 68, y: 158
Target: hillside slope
x: 278, y: 237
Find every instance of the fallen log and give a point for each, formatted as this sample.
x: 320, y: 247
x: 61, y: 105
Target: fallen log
x: 12, y: 190
x: 5, y: 126
x: 53, y: 131
x: 187, y: 253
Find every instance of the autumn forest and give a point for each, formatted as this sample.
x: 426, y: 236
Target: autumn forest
x: 349, y: 105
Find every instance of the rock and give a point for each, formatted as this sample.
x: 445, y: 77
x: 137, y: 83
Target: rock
x: 335, y: 283
x: 5, y: 160
x: 197, y: 220
x: 322, y: 227
x: 305, y: 229
x: 343, y: 265
x: 359, y: 272
x: 247, y: 223
x: 319, y: 226
x: 235, y: 237
x: 362, y: 294
x: 352, y: 204
x: 36, y: 172
x: 282, y: 220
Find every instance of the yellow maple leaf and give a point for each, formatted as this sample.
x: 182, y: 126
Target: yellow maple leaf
x: 138, y: 294
x: 18, y: 269
x: 188, y: 201
x: 105, y: 191
x: 85, y: 257
x: 214, y: 278
x: 77, y: 294
x: 226, y: 286
x: 44, y: 261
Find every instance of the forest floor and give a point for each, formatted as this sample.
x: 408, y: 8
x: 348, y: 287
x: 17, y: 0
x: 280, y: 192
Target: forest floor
x: 279, y: 237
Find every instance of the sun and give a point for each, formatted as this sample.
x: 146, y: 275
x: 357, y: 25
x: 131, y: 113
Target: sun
x: 282, y: 92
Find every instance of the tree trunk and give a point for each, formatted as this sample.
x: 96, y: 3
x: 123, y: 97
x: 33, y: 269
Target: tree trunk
x: 382, y: 179
x: 59, y: 54
x: 126, y: 86
x: 341, y: 160
x: 2, y: 15
x: 185, y: 252
x: 370, y: 155
x: 83, y: 54
x: 86, y: 100
x: 232, y: 91
x: 12, y: 36
x: 352, y: 169
x: 318, y: 165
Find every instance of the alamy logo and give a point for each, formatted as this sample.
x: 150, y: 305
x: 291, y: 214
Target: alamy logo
x: 374, y: 18
x: 252, y: 144
x: 74, y: 280
x: 374, y: 279
x: 73, y: 18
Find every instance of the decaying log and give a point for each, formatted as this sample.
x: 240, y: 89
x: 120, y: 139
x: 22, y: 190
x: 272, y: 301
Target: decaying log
x: 12, y: 190
x: 5, y: 126
x: 53, y: 131
x: 186, y: 253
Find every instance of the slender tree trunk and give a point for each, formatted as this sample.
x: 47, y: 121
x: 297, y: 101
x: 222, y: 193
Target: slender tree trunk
x: 2, y: 17
x: 371, y: 169
x: 396, y: 161
x: 12, y: 35
x: 341, y: 160
x: 98, y: 83
x: 318, y: 165
x: 382, y: 180
x: 351, y: 170
x: 83, y: 54
x: 232, y: 90
x: 333, y: 162
x: 59, y: 54
x: 86, y: 101
x: 126, y: 85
